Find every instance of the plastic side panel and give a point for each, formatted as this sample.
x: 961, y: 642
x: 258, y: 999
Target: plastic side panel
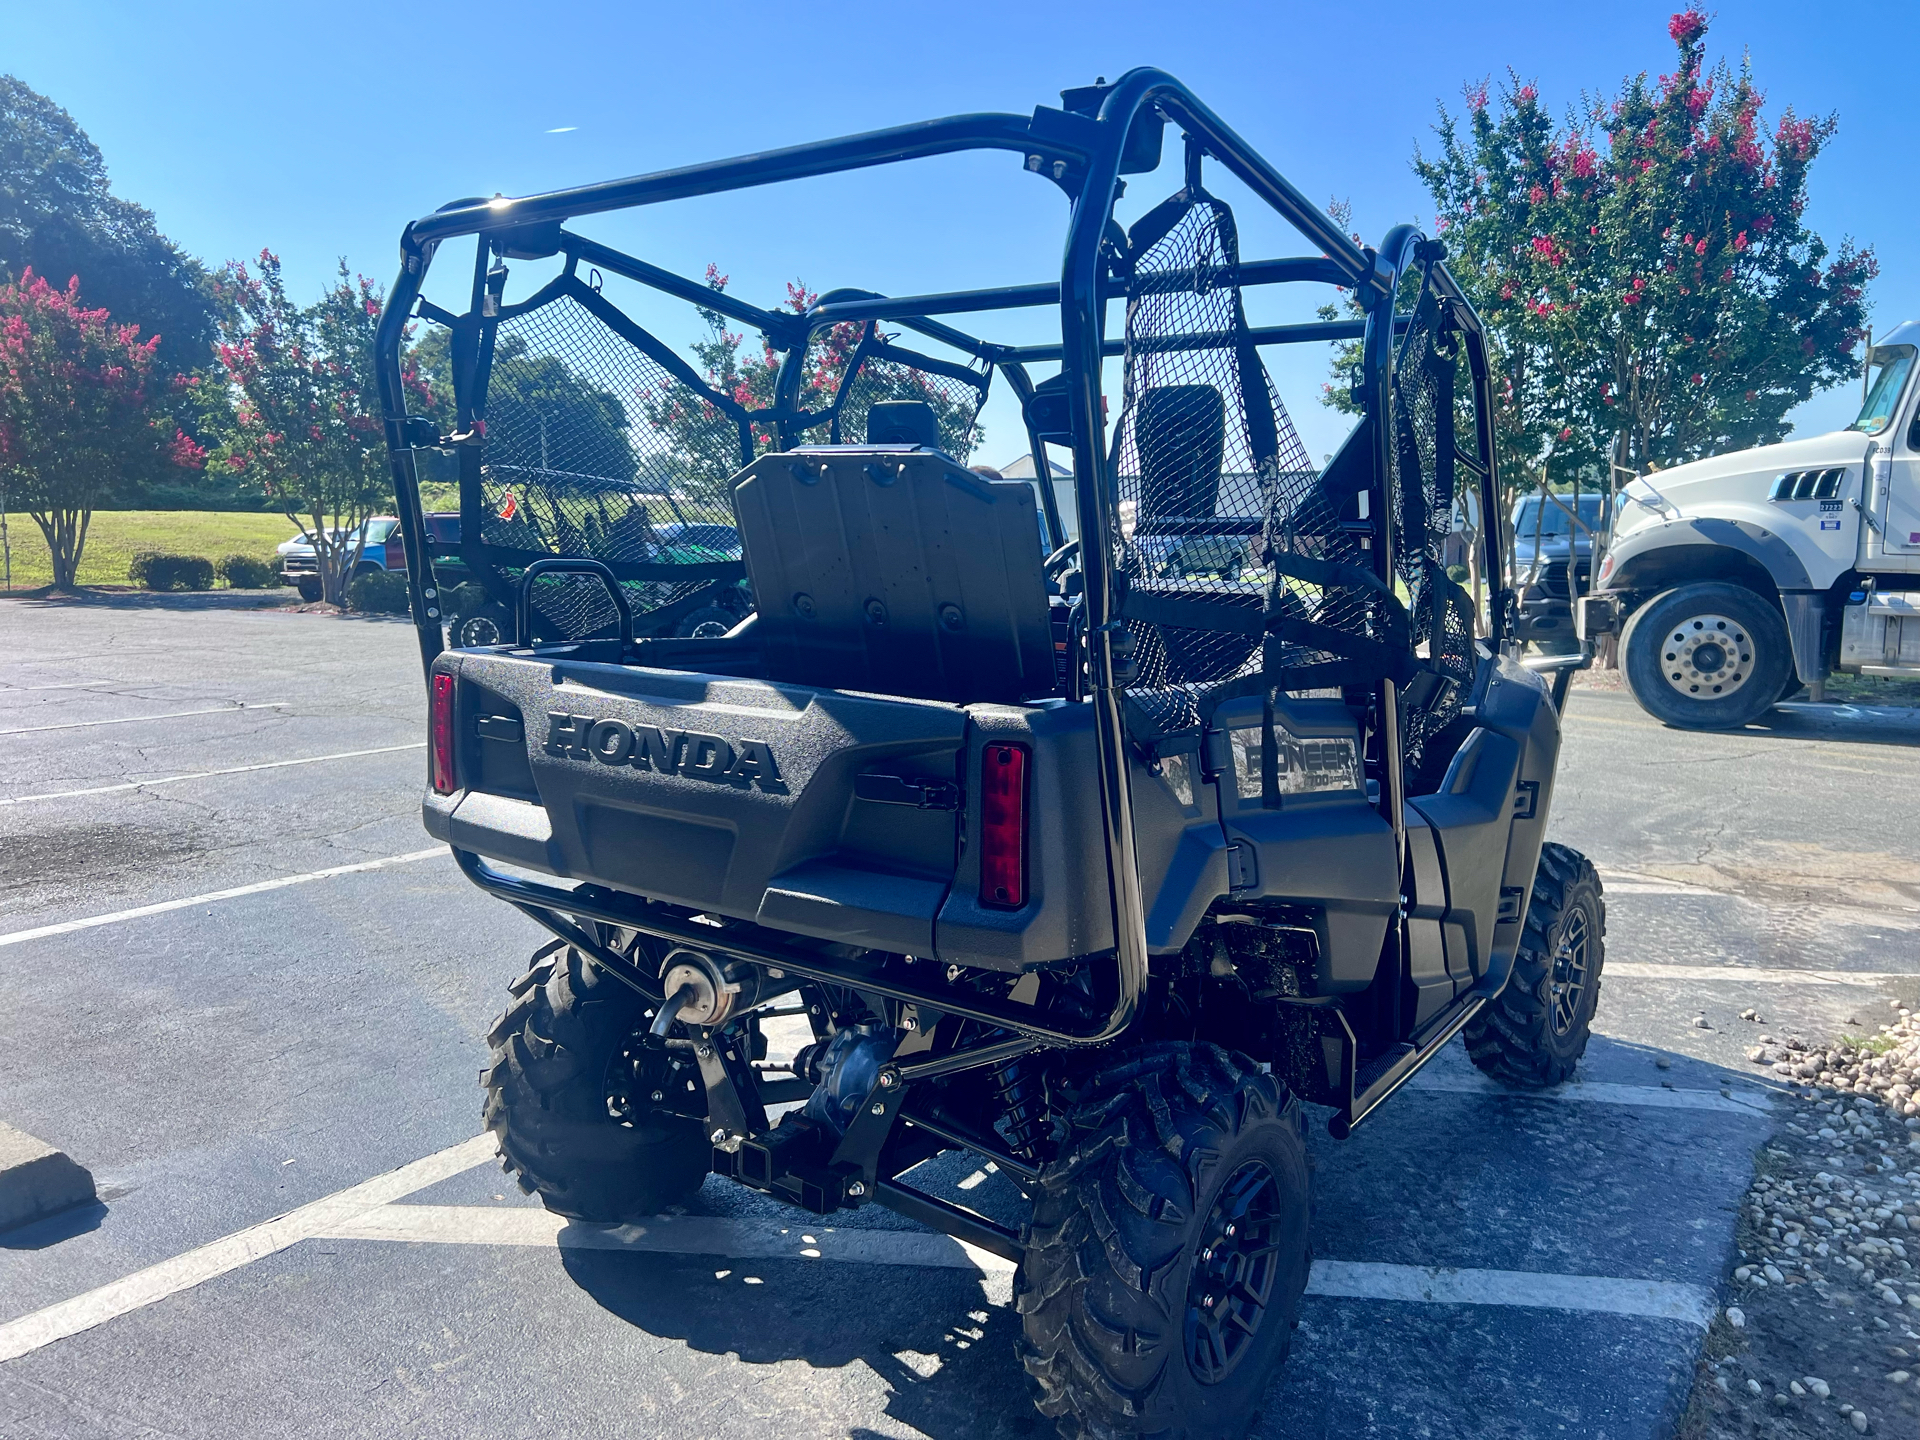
x: 1427, y: 956
x: 703, y: 789
x: 1516, y: 705
x: 1180, y: 848
x: 1067, y: 911
x: 1472, y: 817
x: 1334, y: 852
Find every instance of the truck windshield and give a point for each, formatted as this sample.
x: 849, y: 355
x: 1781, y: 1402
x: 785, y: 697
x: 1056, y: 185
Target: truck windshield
x: 1889, y: 367
x: 1555, y: 521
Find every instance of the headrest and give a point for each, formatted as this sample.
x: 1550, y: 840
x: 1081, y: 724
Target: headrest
x: 903, y: 422
x: 1181, y: 433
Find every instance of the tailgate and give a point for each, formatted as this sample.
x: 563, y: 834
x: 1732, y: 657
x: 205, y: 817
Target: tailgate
x: 733, y: 796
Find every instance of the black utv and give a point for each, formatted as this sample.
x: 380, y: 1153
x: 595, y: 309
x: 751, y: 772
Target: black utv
x: 1094, y: 844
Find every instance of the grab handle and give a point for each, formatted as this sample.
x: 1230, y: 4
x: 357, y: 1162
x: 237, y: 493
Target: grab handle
x: 523, y: 629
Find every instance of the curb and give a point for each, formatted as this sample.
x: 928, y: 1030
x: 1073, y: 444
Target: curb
x: 37, y: 1180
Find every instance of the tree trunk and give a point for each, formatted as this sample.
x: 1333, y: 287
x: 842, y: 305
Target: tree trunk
x: 65, y: 530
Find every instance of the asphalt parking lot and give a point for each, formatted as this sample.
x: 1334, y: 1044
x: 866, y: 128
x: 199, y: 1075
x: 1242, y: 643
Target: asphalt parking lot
x: 300, y: 1039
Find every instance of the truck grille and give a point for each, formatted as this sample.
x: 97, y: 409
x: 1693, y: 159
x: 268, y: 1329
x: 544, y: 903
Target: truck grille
x: 1553, y: 578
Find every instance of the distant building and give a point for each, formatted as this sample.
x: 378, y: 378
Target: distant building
x: 1023, y: 469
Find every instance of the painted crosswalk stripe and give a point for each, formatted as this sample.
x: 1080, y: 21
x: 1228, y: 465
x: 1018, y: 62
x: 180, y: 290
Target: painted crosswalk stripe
x: 259, y: 887
x: 256, y: 1242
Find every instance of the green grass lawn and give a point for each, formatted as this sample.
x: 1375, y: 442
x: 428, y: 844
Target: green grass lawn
x: 115, y: 535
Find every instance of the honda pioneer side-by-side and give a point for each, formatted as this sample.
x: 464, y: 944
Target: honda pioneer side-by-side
x: 1096, y: 858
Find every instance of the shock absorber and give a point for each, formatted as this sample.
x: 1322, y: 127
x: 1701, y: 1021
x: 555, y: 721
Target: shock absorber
x: 1021, y: 1087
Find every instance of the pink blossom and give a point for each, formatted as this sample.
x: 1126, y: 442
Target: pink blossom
x: 1687, y: 27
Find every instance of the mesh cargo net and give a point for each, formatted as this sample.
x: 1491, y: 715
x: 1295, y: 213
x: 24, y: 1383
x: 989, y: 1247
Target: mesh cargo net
x: 1214, y: 487
x: 597, y: 449
x: 1242, y: 576
x: 1421, y: 482
x: 880, y: 370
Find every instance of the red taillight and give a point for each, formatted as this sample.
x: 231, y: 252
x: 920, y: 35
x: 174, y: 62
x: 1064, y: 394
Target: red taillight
x: 440, y: 726
x: 1003, y: 827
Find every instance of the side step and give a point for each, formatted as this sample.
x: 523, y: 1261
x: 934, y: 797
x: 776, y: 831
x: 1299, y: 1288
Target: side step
x: 1387, y: 1072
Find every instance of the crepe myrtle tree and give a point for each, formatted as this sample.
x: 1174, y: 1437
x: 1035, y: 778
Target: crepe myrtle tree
x: 750, y: 378
x: 306, y: 428
x: 1652, y: 290
x: 82, y: 413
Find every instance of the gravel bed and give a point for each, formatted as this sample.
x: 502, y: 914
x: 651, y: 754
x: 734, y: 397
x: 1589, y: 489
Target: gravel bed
x: 1821, y: 1331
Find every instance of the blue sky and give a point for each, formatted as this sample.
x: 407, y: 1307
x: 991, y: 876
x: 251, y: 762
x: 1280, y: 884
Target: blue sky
x: 319, y: 130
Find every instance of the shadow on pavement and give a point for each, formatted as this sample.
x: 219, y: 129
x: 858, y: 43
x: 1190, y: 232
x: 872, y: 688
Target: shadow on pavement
x: 945, y: 1353
x: 43, y: 1234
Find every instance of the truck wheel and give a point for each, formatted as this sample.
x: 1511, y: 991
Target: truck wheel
x: 309, y: 590
x: 1536, y: 1032
x: 572, y: 1109
x: 707, y: 623
x: 1168, y: 1248
x: 1707, y: 657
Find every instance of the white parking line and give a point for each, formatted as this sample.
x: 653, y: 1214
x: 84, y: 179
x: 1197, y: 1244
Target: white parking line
x: 209, y: 774
x: 133, y: 719
x: 183, y: 1272
x: 1644, y: 1299
x: 664, y: 1235
x: 69, y: 685
x: 67, y: 927
x: 760, y: 1240
x: 1751, y: 974
x: 1598, y: 1092
x: 367, y: 1212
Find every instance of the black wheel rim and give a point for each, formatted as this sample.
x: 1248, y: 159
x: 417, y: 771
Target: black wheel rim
x: 1235, y: 1265
x: 480, y: 630
x: 644, y: 1079
x: 1570, y: 969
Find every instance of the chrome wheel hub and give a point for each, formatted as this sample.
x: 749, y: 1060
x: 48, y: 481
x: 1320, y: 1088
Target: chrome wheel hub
x: 1706, y: 657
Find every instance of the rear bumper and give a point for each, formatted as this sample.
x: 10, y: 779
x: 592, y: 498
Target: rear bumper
x: 737, y: 798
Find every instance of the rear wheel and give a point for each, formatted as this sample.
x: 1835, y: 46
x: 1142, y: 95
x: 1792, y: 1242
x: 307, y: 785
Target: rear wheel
x: 1168, y: 1250
x: 570, y: 1093
x: 1707, y: 657
x: 1536, y: 1032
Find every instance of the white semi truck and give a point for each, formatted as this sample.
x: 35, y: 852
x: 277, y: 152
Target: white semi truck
x: 1734, y: 581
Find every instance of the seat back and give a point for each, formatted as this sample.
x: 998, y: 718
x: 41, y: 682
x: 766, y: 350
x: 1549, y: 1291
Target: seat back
x: 1182, y: 440
x: 890, y: 568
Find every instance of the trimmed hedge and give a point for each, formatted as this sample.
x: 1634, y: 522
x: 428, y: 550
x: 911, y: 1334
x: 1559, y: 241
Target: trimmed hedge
x: 246, y: 572
x: 158, y: 570
x: 379, y: 592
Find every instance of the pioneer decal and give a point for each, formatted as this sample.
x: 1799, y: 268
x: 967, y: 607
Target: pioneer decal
x: 672, y: 752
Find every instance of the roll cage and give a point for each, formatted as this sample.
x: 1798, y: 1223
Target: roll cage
x: 1099, y: 134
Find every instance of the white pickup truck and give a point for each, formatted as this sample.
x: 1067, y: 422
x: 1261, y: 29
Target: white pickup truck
x: 1734, y: 581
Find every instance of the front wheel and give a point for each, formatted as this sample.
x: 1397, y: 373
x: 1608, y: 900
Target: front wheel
x: 489, y: 625
x: 309, y: 590
x: 1711, y: 656
x: 1536, y: 1032
x: 572, y: 1093
x: 1168, y: 1249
